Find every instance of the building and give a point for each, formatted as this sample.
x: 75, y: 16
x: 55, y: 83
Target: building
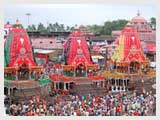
x: 87, y: 33
x: 46, y: 48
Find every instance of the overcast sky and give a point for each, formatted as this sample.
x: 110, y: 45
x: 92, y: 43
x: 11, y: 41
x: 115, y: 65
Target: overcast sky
x: 71, y: 14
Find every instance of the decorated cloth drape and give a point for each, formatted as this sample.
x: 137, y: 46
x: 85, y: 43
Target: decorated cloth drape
x: 76, y: 49
x: 18, y: 48
x: 7, y: 84
x: 97, y: 78
x: 58, y: 78
x: 7, y: 50
x: 44, y: 81
x: 128, y: 47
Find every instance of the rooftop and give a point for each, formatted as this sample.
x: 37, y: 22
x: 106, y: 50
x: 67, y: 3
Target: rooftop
x: 103, y: 37
x: 85, y: 31
x: 46, y: 43
x: 138, y: 18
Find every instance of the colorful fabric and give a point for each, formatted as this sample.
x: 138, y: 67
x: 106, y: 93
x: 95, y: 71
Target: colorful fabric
x: 18, y: 49
x: 7, y: 49
x: 129, y: 47
x: 44, y: 81
x: 7, y: 84
x: 77, y: 49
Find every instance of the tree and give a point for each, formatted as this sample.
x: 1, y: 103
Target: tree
x: 68, y: 29
x: 49, y: 27
x: 57, y: 27
x: 62, y: 28
x: 105, y: 29
x: 41, y: 28
x: 34, y: 27
x: 96, y: 29
x: 71, y: 29
x: 119, y: 24
x: 108, y: 27
x: 52, y: 28
x: 153, y: 23
x: 29, y: 28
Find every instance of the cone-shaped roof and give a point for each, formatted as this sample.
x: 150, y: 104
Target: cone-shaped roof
x: 18, y: 49
x: 129, y: 47
x: 76, y: 49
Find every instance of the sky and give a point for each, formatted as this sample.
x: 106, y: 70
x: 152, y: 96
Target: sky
x: 71, y: 14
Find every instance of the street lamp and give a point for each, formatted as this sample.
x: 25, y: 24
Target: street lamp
x: 28, y: 15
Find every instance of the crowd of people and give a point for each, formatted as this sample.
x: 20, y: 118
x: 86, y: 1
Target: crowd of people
x: 110, y: 105
x: 113, y: 104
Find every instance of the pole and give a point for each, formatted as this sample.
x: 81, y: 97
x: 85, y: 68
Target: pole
x: 54, y: 85
x: 63, y: 57
x: 28, y: 15
x: 106, y: 56
x: 64, y: 86
x: 9, y: 99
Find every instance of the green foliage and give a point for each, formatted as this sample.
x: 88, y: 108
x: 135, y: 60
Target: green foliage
x: 68, y: 28
x: 41, y: 28
x: 153, y: 23
x: 50, y: 28
x: 72, y: 28
x: 108, y: 27
x: 96, y: 29
x: 7, y: 84
x: 105, y: 29
x: 31, y: 28
x: 44, y: 81
x: 7, y: 49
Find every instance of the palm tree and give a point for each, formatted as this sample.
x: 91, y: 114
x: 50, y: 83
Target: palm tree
x: 41, y: 28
